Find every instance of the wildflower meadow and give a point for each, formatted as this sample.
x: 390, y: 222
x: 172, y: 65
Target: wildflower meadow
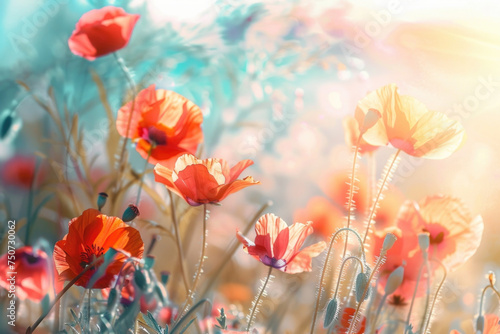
x: 223, y: 166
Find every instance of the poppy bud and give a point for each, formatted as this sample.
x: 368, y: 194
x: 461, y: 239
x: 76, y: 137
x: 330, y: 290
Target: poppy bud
x: 165, y: 275
x: 130, y: 213
x: 101, y: 200
x: 394, y: 280
x: 480, y: 324
x: 331, y: 313
x: 361, y: 286
x: 142, y: 280
x: 492, y: 278
x: 371, y: 117
x: 149, y: 261
x: 389, y: 241
x: 424, y: 241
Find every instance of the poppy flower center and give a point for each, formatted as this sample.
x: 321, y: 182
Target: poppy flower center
x: 397, y: 300
x: 402, y: 144
x: 31, y: 259
x: 436, y: 235
x: 154, y: 135
x: 272, y: 262
x: 90, y: 254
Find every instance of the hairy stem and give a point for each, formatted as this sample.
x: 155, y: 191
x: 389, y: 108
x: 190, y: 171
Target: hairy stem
x: 200, y: 266
x: 413, y: 297
x: 255, y: 306
x: 141, y: 181
x: 32, y: 328
x: 351, y: 193
x: 325, y: 269
x: 365, y: 291
x: 427, y: 321
x: 379, y: 193
x: 178, y: 242
x: 229, y: 254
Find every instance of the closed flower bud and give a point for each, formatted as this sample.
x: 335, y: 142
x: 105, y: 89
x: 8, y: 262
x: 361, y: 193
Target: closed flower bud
x: 371, y: 117
x: 362, y: 286
x: 142, y: 280
x: 101, y: 200
x: 492, y: 278
x: 480, y: 324
x: 389, y: 241
x: 331, y: 313
x: 130, y: 213
x: 424, y: 241
x: 394, y: 281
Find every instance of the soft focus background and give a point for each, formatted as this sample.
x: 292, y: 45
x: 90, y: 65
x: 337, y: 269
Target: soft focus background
x: 274, y: 79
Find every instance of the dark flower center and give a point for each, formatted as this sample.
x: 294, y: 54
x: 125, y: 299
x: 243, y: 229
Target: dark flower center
x: 31, y: 259
x: 154, y: 136
x: 90, y: 254
x: 435, y: 239
x: 397, y: 300
x: 272, y: 262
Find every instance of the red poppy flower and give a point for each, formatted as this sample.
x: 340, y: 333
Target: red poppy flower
x: 405, y: 252
x: 91, y: 235
x: 408, y: 125
x: 32, y: 273
x: 19, y: 171
x: 102, y: 31
x: 278, y: 245
x: 163, y: 122
x: 203, y: 181
x: 346, y: 319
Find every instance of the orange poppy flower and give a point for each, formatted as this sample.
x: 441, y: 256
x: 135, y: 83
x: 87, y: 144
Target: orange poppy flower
x: 163, y: 122
x: 91, y: 235
x: 32, y: 278
x: 351, y: 133
x: 203, y: 181
x: 454, y: 234
x: 278, y: 245
x: 325, y: 216
x: 408, y: 125
x: 102, y: 31
x: 328, y: 215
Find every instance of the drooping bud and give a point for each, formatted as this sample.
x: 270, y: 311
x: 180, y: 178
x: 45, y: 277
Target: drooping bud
x: 101, y: 200
x: 331, y: 313
x: 480, y: 324
x: 389, y: 241
x: 492, y: 278
x: 361, y: 286
x: 130, y: 213
x: 371, y: 117
x: 142, y: 280
x: 394, y: 280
